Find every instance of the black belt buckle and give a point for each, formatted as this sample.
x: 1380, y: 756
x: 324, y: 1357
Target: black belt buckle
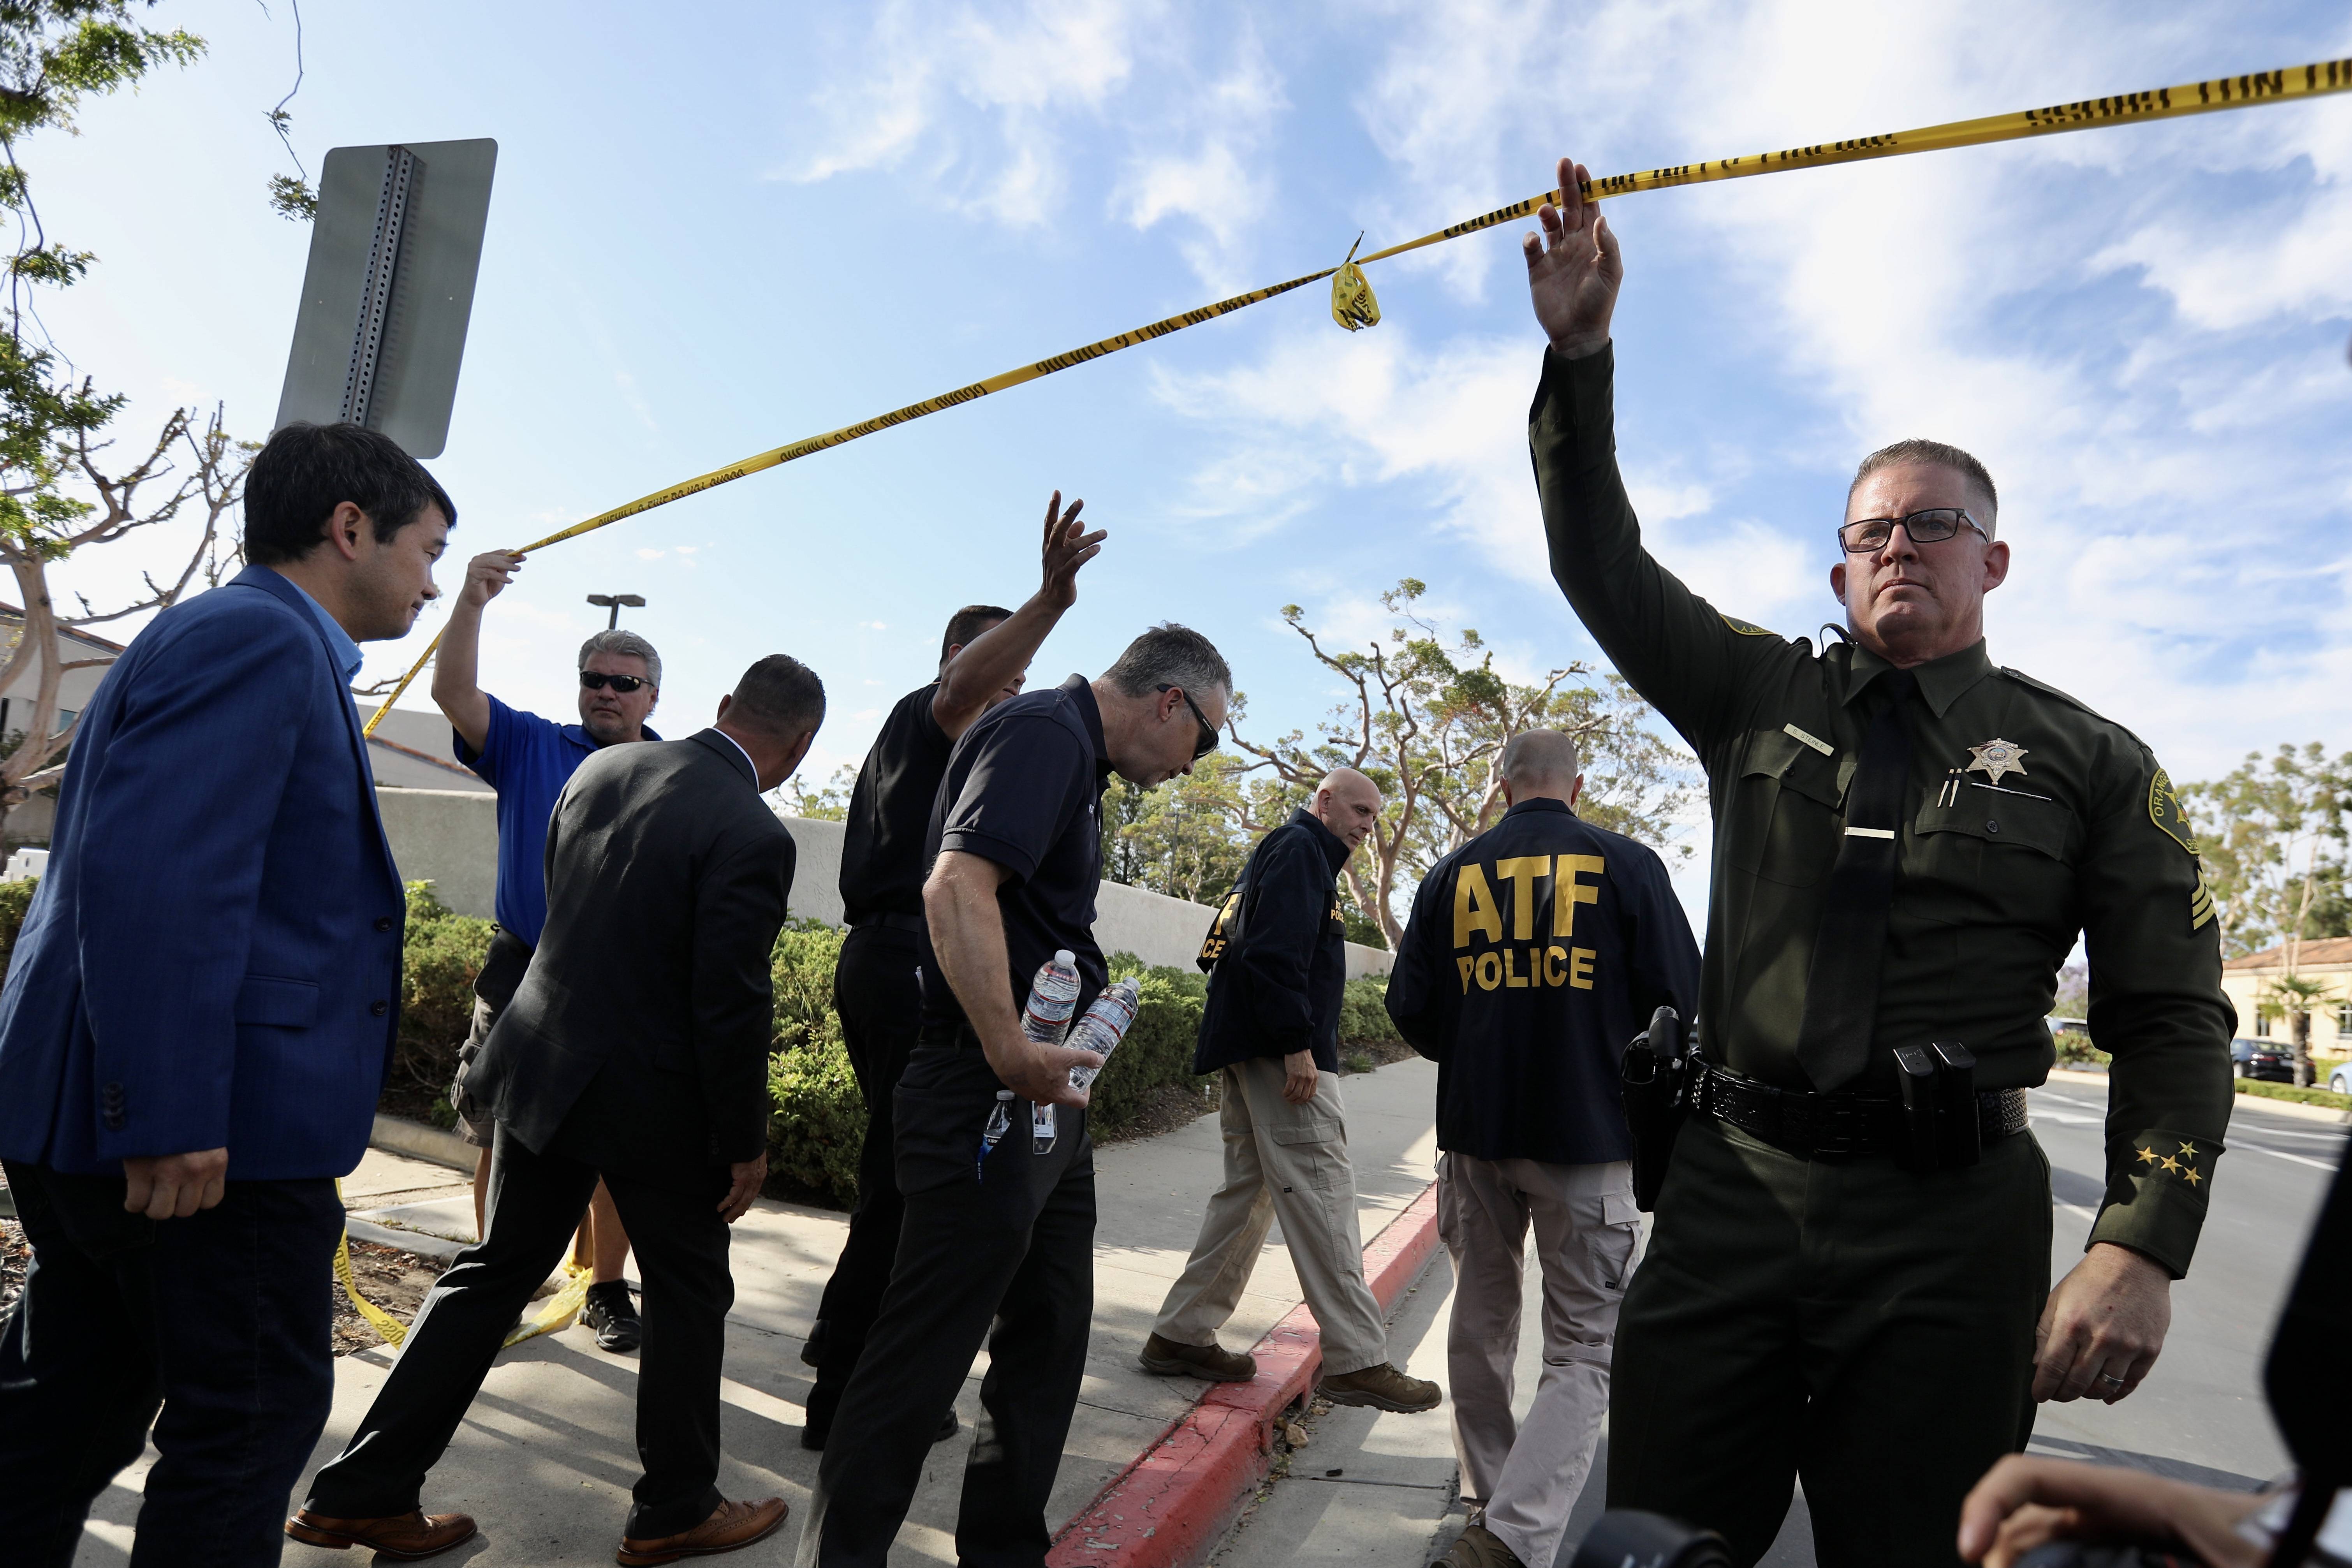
x: 1941, y: 1131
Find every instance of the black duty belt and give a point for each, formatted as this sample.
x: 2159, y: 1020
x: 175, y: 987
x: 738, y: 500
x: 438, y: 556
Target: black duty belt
x: 913, y: 924
x: 1838, y: 1125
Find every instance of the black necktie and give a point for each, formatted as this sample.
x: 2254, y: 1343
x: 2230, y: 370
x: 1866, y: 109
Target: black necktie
x: 1841, y: 987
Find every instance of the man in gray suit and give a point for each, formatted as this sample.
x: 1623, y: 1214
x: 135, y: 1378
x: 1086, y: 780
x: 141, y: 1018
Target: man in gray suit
x: 635, y: 1049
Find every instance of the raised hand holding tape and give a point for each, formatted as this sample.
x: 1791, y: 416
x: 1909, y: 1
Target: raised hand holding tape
x: 1353, y: 305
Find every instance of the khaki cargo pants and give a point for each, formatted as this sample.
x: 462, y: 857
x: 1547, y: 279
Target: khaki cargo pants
x: 1287, y: 1161
x: 1529, y: 1474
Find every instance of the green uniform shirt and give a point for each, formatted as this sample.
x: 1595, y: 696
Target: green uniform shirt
x: 2028, y: 818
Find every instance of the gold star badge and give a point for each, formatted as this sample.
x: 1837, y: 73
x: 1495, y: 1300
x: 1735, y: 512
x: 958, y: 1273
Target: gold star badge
x: 2189, y: 1148
x: 2148, y: 1156
x: 2188, y: 1173
x: 1997, y: 757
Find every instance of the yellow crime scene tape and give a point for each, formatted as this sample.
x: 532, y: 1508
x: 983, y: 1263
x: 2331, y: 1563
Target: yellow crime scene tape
x: 1353, y: 306
x: 561, y: 1309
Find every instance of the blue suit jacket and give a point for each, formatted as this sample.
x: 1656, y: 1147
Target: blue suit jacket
x: 213, y: 959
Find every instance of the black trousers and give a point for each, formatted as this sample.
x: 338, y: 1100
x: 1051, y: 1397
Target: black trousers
x: 223, y: 1320
x: 1009, y: 1242
x: 1863, y: 1327
x: 535, y: 1202
x: 881, y: 1010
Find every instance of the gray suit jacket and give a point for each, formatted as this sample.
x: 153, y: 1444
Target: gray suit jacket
x: 639, y: 1037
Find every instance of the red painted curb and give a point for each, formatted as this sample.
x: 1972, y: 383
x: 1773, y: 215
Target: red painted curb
x: 1173, y: 1503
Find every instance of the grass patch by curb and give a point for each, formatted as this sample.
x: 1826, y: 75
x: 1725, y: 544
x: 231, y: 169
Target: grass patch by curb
x: 2300, y: 1096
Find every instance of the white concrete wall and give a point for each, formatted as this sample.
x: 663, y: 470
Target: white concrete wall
x: 451, y: 838
x: 448, y: 837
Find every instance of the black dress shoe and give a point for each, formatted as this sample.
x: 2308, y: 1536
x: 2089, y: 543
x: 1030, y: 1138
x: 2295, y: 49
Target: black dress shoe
x: 813, y: 1436
x: 613, y: 1316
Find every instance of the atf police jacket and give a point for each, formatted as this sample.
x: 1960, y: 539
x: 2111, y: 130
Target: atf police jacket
x: 1277, y: 954
x: 2028, y: 818
x: 1536, y: 950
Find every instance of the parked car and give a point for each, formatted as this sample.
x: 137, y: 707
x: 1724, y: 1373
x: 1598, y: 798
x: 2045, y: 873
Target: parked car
x: 2340, y: 1078
x: 2264, y: 1059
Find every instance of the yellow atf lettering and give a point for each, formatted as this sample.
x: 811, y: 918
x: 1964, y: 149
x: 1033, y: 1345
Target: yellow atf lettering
x: 1490, y: 970
x: 1474, y: 906
x: 1566, y: 892
x: 1359, y: 308
x: 1555, y: 971
x: 1580, y: 967
x: 1467, y: 963
x: 1511, y: 975
x: 1522, y: 870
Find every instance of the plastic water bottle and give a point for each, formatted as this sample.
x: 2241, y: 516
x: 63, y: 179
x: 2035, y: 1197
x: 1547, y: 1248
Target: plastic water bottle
x: 1046, y: 1018
x: 1105, y: 1025
x: 1000, y: 1123
x: 1052, y: 997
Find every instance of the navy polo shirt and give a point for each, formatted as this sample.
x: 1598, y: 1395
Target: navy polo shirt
x: 527, y: 760
x: 1024, y: 788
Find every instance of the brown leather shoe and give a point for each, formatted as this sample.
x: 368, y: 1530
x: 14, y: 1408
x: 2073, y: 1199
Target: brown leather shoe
x: 1166, y: 1358
x: 1383, y: 1387
x: 730, y: 1526
x: 406, y: 1536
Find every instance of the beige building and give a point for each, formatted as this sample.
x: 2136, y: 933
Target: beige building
x: 2327, y: 960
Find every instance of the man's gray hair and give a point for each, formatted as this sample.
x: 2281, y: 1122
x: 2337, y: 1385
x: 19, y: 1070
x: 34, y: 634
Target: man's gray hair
x: 1541, y: 754
x: 619, y: 641
x: 1937, y: 454
x: 1170, y: 654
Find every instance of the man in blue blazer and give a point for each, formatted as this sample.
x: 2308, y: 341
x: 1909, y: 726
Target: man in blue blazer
x: 197, y: 1021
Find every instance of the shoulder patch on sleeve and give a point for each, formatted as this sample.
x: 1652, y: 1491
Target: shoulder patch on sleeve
x: 1746, y: 628
x: 2164, y: 810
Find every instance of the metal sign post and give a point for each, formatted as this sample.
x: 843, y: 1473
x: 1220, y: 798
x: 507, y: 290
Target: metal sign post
x: 390, y: 287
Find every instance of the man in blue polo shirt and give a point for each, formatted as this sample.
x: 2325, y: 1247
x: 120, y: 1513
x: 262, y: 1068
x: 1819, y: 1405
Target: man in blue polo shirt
x: 527, y: 760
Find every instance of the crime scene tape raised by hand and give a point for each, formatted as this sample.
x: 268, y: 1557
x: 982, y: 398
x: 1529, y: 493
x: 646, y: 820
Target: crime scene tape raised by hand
x: 1353, y: 306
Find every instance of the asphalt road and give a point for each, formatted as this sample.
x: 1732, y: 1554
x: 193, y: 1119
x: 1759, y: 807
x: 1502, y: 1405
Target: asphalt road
x: 2199, y: 1414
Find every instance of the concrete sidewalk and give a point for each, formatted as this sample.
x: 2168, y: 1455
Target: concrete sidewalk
x: 546, y: 1457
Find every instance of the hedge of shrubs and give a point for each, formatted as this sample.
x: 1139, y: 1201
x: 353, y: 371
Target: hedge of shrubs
x: 819, y: 1118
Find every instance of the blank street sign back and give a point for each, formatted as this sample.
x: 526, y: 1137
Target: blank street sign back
x: 382, y: 328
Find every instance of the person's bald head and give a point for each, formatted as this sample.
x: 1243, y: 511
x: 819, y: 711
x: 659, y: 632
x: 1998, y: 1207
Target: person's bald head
x: 1542, y: 764
x: 1347, y: 804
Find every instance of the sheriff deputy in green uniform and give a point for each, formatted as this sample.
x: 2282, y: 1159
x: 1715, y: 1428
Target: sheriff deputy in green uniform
x: 1849, y: 1278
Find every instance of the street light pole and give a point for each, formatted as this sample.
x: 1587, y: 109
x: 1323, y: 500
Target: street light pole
x: 613, y: 602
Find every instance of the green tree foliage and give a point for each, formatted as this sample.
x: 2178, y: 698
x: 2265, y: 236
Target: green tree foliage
x: 2272, y: 837
x: 58, y: 492
x: 1427, y: 716
x: 827, y: 803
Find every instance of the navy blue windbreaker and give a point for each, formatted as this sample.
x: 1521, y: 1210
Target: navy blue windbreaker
x: 1536, y: 950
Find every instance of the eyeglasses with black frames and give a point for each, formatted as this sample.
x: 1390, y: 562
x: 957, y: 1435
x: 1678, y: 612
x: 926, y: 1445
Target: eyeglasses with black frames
x: 596, y: 680
x: 1932, y: 526
x: 1208, y: 741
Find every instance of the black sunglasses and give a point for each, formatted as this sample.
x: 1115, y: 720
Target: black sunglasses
x: 1208, y: 742
x: 1930, y: 527
x: 596, y: 680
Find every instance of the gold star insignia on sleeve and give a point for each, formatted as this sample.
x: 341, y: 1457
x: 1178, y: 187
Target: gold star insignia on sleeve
x: 2189, y: 1148
x: 2188, y: 1173
x: 2148, y: 1156
x: 2169, y: 1164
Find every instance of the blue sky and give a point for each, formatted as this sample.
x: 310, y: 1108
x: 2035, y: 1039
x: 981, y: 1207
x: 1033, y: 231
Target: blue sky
x: 717, y: 229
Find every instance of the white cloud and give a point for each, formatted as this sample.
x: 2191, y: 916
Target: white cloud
x: 1211, y: 165
x: 983, y: 98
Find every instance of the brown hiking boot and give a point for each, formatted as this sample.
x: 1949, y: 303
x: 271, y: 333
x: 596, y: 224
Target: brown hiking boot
x: 1478, y: 1547
x: 1383, y: 1387
x: 405, y: 1536
x: 1166, y: 1358
x: 731, y: 1525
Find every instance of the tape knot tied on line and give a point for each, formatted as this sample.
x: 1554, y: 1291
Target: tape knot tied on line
x: 1352, y: 303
